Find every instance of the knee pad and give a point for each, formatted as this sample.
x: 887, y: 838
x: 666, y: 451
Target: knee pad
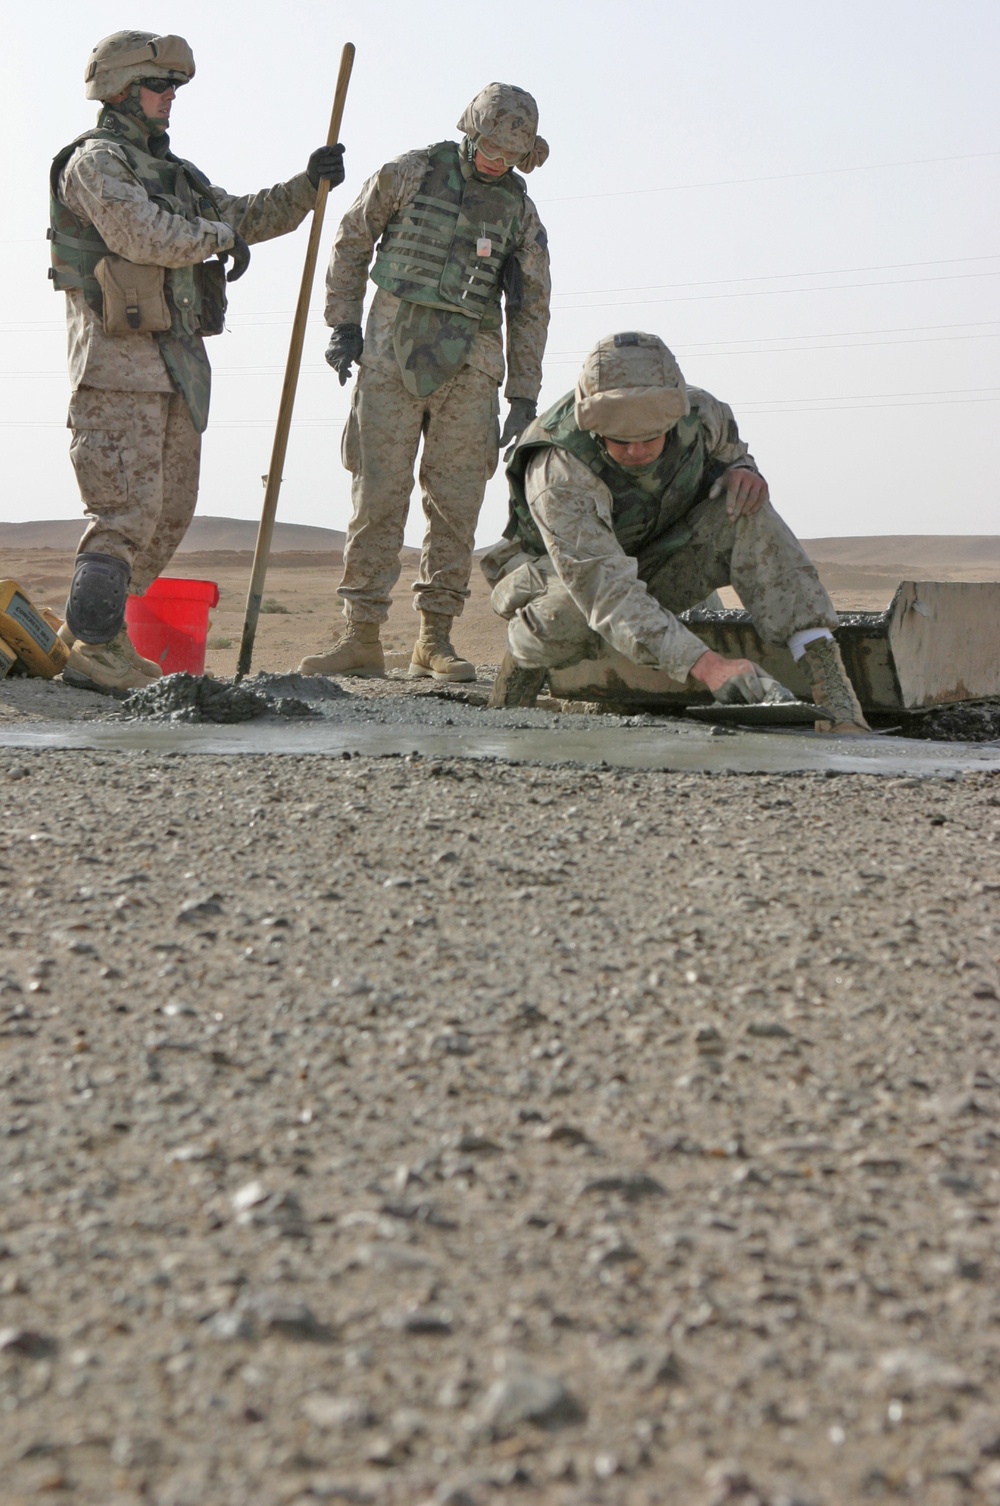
x: 95, y: 607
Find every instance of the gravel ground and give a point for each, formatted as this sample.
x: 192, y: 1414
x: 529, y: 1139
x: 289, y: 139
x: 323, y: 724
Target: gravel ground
x: 397, y: 1130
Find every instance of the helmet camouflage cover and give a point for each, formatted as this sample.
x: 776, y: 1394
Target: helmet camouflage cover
x: 630, y: 388
x: 508, y: 117
x: 127, y: 56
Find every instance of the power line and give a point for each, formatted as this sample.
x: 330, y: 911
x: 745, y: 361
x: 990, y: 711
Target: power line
x: 833, y: 287
x: 889, y: 266
x: 859, y: 404
x: 819, y: 172
x: 260, y: 316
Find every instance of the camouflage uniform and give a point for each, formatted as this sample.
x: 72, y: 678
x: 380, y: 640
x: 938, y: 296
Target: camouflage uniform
x: 135, y: 448
x: 458, y: 419
x: 584, y: 568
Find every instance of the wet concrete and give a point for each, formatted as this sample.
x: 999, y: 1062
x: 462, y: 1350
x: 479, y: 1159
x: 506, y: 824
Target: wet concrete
x: 200, y: 698
x: 675, y: 745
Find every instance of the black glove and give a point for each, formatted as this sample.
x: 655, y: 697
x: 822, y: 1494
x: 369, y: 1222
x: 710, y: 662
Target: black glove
x: 522, y: 411
x: 326, y: 162
x: 345, y: 347
x: 240, y: 252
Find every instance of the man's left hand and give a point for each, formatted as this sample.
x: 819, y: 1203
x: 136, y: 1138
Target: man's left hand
x: 326, y: 162
x: 522, y: 411
x: 240, y: 253
x: 746, y: 492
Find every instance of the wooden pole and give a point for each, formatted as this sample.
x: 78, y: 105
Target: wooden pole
x: 273, y: 485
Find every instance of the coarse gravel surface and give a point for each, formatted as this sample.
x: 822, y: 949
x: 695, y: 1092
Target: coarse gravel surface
x: 413, y: 1130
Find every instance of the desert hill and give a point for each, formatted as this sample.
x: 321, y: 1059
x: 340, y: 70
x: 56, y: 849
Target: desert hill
x: 301, y: 611
x: 875, y: 557
x: 205, y: 536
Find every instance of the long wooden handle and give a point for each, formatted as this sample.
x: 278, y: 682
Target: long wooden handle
x: 273, y: 487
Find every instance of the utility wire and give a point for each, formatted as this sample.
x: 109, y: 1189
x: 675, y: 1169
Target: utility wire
x: 261, y: 316
x: 819, y: 172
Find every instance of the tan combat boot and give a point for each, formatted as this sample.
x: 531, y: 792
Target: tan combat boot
x: 515, y: 686
x: 433, y: 654
x: 357, y: 652
x: 108, y: 667
x: 832, y: 690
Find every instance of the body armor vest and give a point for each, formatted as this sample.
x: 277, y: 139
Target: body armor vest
x: 428, y: 253
x: 648, y: 506
x: 195, y: 295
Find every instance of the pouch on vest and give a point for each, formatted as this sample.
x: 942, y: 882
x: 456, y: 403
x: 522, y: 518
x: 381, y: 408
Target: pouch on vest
x: 430, y: 345
x: 133, y: 297
x: 212, y: 319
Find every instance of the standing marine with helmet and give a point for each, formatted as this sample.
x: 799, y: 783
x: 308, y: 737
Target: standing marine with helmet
x: 632, y: 498
x: 134, y: 230
x: 455, y: 231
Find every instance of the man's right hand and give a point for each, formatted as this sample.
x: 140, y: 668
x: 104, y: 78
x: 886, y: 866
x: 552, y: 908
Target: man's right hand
x: 729, y: 680
x: 345, y: 347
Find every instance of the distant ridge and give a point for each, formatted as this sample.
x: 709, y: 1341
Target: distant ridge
x: 903, y: 556
x: 205, y: 536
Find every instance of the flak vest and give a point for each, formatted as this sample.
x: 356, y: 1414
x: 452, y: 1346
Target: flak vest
x: 447, y: 254
x: 648, y: 507
x: 196, y: 295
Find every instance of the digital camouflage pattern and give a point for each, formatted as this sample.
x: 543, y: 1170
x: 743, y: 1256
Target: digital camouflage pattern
x: 136, y: 457
x: 460, y: 428
x: 428, y: 257
x: 507, y: 116
x: 382, y: 200
x: 118, y: 184
x: 429, y: 251
x: 587, y: 589
x: 630, y: 388
x: 126, y: 389
x: 647, y: 504
x: 124, y: 57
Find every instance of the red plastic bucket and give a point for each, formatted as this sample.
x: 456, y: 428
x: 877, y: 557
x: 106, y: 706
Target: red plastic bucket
x: 170, y: 623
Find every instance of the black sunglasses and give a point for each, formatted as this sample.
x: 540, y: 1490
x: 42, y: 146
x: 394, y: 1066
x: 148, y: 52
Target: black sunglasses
x: 157, y: 85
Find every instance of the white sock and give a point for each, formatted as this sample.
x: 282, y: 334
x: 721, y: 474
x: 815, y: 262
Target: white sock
x: 798, y: 642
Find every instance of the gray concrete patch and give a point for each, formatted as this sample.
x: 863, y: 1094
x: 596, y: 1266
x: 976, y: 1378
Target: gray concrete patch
x: 294, y: 714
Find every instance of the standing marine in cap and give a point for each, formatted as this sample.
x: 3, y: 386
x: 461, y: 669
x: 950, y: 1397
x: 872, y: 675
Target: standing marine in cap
x: 633, y: 498
x: 139, y: 241
x: 455, y: 230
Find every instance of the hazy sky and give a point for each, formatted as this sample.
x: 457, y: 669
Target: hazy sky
x: 799, y: 196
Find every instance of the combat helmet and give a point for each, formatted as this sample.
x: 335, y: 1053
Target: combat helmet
x: 127, y: 56
x: 507, y: 117
x: 630, y: 388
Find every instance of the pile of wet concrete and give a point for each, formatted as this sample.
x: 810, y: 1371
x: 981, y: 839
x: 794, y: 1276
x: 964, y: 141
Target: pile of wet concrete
x: 202, y: 698
x: 962, y: 722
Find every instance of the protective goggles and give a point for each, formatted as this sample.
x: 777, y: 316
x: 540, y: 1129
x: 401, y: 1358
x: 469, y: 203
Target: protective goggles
x: 160, y: 85
x: 493, y: 153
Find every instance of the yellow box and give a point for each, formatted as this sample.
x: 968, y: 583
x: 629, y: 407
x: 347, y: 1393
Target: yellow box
x: 7, y: 659
x: 23, y: 627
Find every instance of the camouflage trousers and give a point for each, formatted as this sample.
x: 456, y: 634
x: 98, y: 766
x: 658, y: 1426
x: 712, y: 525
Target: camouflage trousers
x: 460, y: 429
x: 136, y: 457
x: 759, y: 556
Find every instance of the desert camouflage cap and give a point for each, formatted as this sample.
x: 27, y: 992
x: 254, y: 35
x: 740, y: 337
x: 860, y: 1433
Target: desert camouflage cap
x: 508, y: 117
x: 126, y: 56
x: 630, y: 388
